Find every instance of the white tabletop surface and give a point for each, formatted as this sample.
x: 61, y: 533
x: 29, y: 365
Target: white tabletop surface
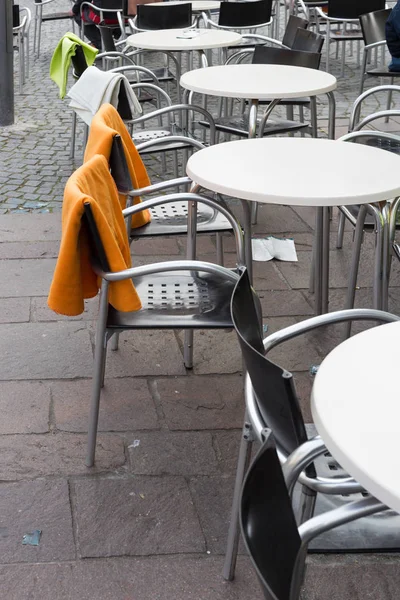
x: 168, y: 39
x: 260, y: 82
x: 298, y: 171
x: 197, y: 5
x: 355, y: 404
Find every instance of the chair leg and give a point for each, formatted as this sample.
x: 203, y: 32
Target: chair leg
x: 246, y: 444
x: 73, y: 135
x: 188, y: 348
x: 114, y: 342
x: 219, y: 240
x: 254, y: 213
x: 363, y: 70
x: 98, y: 371
x: 354, y: 265
x: 389, y: 100
x: 340, y: 233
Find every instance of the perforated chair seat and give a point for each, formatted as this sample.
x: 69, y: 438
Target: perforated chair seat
x: 240, y: 126
x: 146, y: 135
x: 178, y: 301
x: 170, y: 219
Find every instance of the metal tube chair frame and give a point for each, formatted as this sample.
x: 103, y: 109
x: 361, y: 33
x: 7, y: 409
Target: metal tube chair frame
x: 21, y: 33
x: 39, y: 18
x: 255, y: 424
x: 97, y: 9
x: 368, y: 47
x: 106, y: 327
x: 276, y: 544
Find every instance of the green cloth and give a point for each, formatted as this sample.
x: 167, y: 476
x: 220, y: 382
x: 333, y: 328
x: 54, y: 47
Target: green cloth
x: 61, y: 59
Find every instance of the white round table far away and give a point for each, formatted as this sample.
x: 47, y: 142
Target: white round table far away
x: 167, y: 39
x: 355, y: 404
x: 259, y: 82
x: 297, y: 171
x: 197, y: 5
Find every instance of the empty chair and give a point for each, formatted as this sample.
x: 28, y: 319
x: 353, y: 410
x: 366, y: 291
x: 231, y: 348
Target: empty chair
x: 344, y: 15
x: 272, y: 401
x: 21, y: 25
x: 373, y: 31
x: 44, y: 17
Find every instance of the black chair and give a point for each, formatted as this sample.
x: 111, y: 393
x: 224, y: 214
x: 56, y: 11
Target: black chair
x: 275, y: 544
x: 238, y: 125
x: 373, y: 31
x: 46, y: 17
x: 272, y: 401
x: 176, y: 16
x: 342, y: 12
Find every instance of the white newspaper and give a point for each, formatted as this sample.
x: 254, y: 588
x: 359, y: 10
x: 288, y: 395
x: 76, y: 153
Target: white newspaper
x: 272, y: 247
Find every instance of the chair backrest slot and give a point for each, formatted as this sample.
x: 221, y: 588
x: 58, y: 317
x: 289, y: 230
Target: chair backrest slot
x: 176, y: 16
x: 244, y: 14
x: 281, y: 56
x: 373, y: 26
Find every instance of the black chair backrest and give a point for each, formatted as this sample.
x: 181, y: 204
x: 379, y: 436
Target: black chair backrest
x: 352, y: 9
x: 175, y: 16
x: 111, y: 5
x: 79, y: 62
x: 308, y: 41
x: 273, y: 386
x: 244, y: 14
x: 373, y: 26
x: 15, y: 15
x: 118, y: 166
x: 280, y: 56
x: 268, y: 524
x: 294, y: 23
x: 107, y: 37
x: 97, y: 251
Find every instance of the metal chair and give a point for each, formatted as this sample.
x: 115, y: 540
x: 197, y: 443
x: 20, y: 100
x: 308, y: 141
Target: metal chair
x: 346, y: 14
x: 21, y: 25
x: 373, y: 31
x: 274, y: 542
x: 180, y: 294
x: 238, y: 125
x: 46, y: 17
x: 271, y: 401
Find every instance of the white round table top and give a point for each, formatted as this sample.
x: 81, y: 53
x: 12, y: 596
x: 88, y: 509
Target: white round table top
x: 173, y: 39
x: 297, y: 171
x: 355, y: 404
x: 197, y: 5
x: 260, y: 82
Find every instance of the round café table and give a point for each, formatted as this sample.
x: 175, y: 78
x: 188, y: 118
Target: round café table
x: 184, y: 40
x: 263, y: 82
x: 299, y: 172
x: 355, y: 405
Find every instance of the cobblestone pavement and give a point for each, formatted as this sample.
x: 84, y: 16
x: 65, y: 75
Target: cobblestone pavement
x: 149, y: 522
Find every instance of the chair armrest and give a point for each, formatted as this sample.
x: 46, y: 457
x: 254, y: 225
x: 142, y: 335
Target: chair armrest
x: 113, y: 55
x: 339, y: 516
x: 170, y: 138
x: 138, y: 69
x: 355, y: 314
x: 355, y: 112
x: 158, y: 187
x: 264, y: 38
x: 324, y: 16
x: 164, y: 267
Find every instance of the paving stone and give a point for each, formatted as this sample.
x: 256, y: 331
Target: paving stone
x: 202, y: 402
x: 283, y: 303
x: 143, y: 353
x: 41, y: 312
x: 31, y: 505
x: 29, y: 249
x: 55, y: 350
x: 266, y: 276
x: 216, y: 352
x: 61, y: 454
x: 178, y: 578
x: 226, y: 447
x: 24, y: 407
x: 31, y: 228
x: 14, y: 310
x: 26, y: 277
x: 126, y: 405
x: 167, y: 453
x: 135, y: 516
x: 212, y: 497
x: 156, y: 245
x: 280, y: 219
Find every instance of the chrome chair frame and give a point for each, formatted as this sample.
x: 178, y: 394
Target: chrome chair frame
x: 254, y: 427
x: 38, y: 22
x: 21, y: 32
x: 104, y: 332
x: 366, y: 53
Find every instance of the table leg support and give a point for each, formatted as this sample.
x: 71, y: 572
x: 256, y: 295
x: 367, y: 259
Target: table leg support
x: 318, y: 260
x: 331, y: 115
x: 246, y: 206
x: 325, y: 260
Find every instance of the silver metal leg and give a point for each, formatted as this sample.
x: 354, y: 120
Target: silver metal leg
x: 219, y: 241
x: 325, y: 260
x: 99, y: 352
x: 246, y: 206
x: 246, y: 444
x: 340, y: 233
x: 314, y: 120
x: 355, y: 261
x: 331, y: 115
x: 73, y: 135
x: 318, y: 261
x: 190, y: 254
